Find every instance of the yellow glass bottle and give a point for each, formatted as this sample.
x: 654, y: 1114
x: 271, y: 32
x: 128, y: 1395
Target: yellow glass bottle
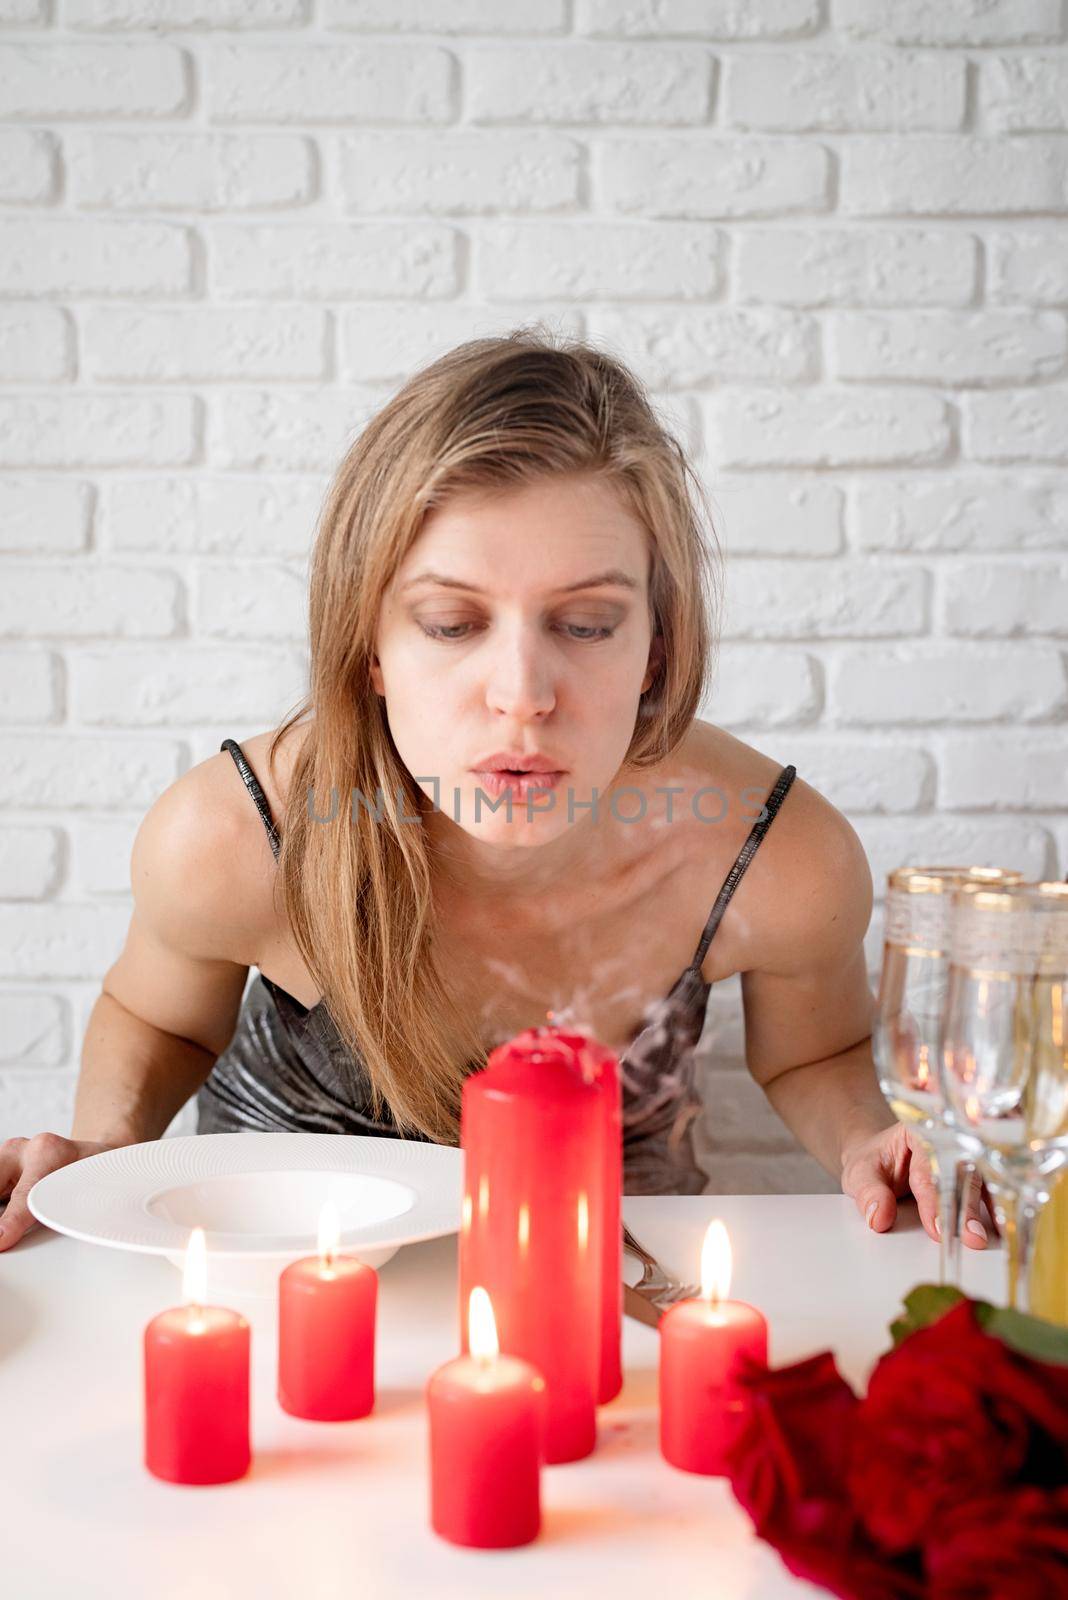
x: 1049, y: 1261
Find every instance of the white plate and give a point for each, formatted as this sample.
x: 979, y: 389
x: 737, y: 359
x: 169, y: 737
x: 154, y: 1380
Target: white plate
x: 257, y: 1196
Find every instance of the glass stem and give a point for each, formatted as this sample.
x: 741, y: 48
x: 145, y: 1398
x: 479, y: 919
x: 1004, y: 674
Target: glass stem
x: 946, y: 1169
x: 1026, y: 1223
x: 964, y: 1173
x: 1016, y: 1212
x: 949, y: 1198
x: 1005, y: 1212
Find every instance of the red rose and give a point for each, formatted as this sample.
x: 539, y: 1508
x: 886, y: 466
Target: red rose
x: 788, y: 1471
x: 1011, y: 1546
x: 950, y: 1415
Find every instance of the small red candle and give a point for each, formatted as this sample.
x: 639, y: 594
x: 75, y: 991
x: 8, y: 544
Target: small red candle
x: 326, y: 1332
x: 702, y: 1409
x: 196, y: 1385
x: 532, y: 1130
x: 487, y: 1435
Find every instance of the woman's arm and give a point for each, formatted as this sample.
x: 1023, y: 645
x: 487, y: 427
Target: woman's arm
x: 832, y: 1105
x: 134, y: 1078
x: 809, y: 1010
x: 168, y: 1004
x: 808, y: 1005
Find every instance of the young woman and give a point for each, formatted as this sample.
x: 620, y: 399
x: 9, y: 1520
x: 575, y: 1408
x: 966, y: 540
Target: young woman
x: 513, y: 571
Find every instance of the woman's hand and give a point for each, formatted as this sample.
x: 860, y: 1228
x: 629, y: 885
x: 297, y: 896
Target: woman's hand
x: 893, y: 1162
x: 22, y: 1162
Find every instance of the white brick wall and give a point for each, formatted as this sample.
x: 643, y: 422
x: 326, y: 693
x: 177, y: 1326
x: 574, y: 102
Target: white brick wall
x: 832, y: 237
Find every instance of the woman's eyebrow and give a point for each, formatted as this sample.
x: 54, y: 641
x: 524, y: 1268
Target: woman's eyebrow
x: 614, y: 578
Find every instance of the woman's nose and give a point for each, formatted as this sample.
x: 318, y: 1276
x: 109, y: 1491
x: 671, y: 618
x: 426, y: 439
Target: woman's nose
x: 520, y: 681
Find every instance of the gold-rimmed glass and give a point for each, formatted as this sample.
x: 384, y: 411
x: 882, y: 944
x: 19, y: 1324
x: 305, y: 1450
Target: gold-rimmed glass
x: 1005, y: 1050
x: 907, y: 1031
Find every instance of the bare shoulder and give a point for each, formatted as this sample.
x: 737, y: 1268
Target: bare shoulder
x: 806, y: 893
x: 202, y: 867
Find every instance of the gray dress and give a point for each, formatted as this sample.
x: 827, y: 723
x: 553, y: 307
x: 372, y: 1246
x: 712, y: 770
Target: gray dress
x: 286, y: 1068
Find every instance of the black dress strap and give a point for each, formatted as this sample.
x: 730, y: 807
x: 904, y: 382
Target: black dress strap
x: 252, y: 785
x: 745, y: 855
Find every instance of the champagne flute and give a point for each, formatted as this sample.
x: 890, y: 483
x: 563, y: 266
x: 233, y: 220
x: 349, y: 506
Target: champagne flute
x: 1005, y: 1050
x: 906, y: 1033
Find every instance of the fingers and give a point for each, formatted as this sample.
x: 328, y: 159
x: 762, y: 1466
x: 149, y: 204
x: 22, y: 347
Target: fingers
x: 923, y: 1185
x: 972, y: 1231
x: 898, y: 1162
x: 991, y: 1214
x: 867, y: 1177
x: 877, y: 1204
x: 10, y: 1164
x: 18, y: 1219
x: 24, y: 1161
x: 11, y: 1159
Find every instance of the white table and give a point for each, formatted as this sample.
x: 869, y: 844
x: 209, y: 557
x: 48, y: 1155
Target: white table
x: 338, y: 1511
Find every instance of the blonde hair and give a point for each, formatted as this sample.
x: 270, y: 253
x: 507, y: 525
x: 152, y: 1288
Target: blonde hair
x: 493, y: 413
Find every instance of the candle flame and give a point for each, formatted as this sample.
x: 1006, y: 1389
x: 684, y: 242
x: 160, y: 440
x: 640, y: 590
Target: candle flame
x: 481, y: 1326
x: 195, y: 1273
x: 524, y: 1227
x: 716, y: 1263
x: 923, y: 1069
x: 583, y: 1220
x: 329, y: 1233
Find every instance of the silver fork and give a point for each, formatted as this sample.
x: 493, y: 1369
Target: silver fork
x: 654, y: 1284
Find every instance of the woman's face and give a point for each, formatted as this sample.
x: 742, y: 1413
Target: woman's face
x: 519, y: 651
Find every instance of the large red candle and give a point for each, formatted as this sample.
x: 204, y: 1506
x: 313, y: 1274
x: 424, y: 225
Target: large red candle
x: 196, y: 1385
x: 611, y: 1378
x: 604, y: 1067
x: 487, y: 1425
x: 326, y: 1332
x: 702, y: 1408
x: 532, y: 1129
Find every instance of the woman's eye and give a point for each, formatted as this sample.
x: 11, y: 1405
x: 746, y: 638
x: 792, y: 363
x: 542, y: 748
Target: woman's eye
x: 445, y: 631
x: 589, y: 632
x: 452, y: 633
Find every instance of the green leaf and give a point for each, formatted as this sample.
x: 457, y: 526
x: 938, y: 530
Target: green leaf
x: 923, y: 1305
x: 1031, y: 1336
x: 1028, y: 1335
